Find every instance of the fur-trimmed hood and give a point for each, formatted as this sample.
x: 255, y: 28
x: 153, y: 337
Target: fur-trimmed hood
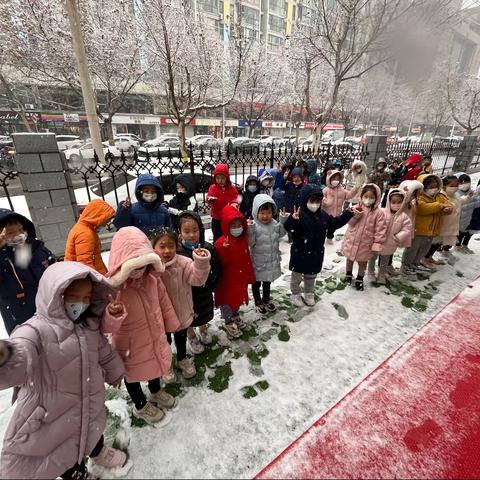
x: 130, y: 251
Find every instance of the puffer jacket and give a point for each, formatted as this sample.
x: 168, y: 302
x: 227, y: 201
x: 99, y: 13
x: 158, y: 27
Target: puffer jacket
x: 247, y: 201
x: 410, y: 206
x: 264, y: 242
x: 451, y: 223
x: 469, y: 205
x: 399, y: 226
x: 19, y: 282
x: 179, y: 276
x: 203, y: 304
x: 430, y: 214
x: 293, y: 192
x: 365, y: 234
x: 414, y: 169
x: 83, y: 242
x: 144, y: 215
x: 309, y: 232
x: 224, y: 196
x: 335, y: 197
x: 60, y: 367
x: 379, y: 176
x: 182, y: 201
x: 139, y: 334
x: 353, y: 179
x: 313, y: 177
x: 237, y: 267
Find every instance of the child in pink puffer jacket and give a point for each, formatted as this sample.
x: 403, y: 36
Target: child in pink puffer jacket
x: 399, y: 234
x: 138, y: 331
x: 180, y: 275
x: 334, y: 196
x: 365, y: 234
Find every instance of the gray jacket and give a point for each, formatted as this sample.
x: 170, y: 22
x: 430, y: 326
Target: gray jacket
x: 467, y: 209
x: 264, y: 242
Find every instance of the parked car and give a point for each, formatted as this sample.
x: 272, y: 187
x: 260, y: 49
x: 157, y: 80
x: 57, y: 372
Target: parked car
x: 127, y: 144
x: 5, y: 141
x: 164, y: 145
x: 65, y: 142
x: 243, y: 144
x: 161, y: 140
x: 134, y: 137
x: 77, y: 156
x: 203, y: 141
x: 272, y: 142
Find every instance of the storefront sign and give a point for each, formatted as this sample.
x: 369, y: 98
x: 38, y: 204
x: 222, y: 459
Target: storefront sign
x: 268, y: 124
x: 71, y: 118
x: 12, y: 117
x: 244, y: 123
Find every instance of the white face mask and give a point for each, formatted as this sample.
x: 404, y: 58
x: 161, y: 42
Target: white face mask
x: 236, y: 232
x: 335, y: 183
x: 368, y: 202
x: 451, y: 190
x: 75, y: 309
x: 149, y: 197
x: 137, y: 273
x: 313, y: 207
x: 23, y: 255
x: 395, y: 207
x: 431, y: 192
x: 18, y: 240
x: 464, y: 187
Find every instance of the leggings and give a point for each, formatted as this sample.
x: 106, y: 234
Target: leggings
x: 79, y: 470
x: 362, y: 266
x: 330, y: 233
x: 216, y: 229
x: 464, y: 238
x: 135, y: 391
x: 180, y: 338
x: 256, y: 292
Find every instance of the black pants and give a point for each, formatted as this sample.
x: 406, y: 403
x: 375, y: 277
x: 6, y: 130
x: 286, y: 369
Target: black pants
x: 433, y: 249
x: 216, y: 229
x: 136, y: 393
x: 180, y: 338
x: 79, y: 470
x: 330, y: 233
x: 256, y: 292
x: 464, y: 238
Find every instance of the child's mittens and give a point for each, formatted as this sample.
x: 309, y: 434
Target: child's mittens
x: 4, y: 352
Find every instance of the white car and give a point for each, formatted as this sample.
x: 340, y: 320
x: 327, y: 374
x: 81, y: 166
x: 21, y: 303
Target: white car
x: 126, y: 144
x: 134, y: 137
x: 201, y: 140
x: 65, y: 142
x: 272, y: 142
x: 76, y: 156
x: 162, y: 141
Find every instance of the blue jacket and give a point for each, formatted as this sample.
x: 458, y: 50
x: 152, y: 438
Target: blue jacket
x: 292, y: 192
x: 313, y: 177
x: 309, y: 232
x: 19, y: 285
x: 143, y: 215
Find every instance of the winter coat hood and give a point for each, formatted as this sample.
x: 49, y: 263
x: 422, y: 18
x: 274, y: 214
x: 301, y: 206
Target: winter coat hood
x: 266, y: 179
x: 260, y: 200
x: 251, y: 179
x: 229, y: 214
x: 97, y: 213
x: 307, y: 192
x: 312, y: 166
x: 194, y: 216
x: 397, y: 191
x: 359, y: 163
x: 414, y: 159
x: 330, y: 174
x: 149, y: 179
x: 54, y: 282
x: 377, y: 189
x: 186, y: 181
x: 297, y: 171
x: 6, y: 215
x: 130, y: 251
x: 410, y: 187
x: 222, y: 169
x: 423, y: 178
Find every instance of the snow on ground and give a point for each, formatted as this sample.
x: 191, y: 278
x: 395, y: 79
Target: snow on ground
x: 254, y: 396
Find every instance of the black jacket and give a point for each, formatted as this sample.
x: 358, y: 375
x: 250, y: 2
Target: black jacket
x: 203, y: 296
x: 181, y: 201
x: 309, y: 232
x: 19, y: 285
x: 247, y: 201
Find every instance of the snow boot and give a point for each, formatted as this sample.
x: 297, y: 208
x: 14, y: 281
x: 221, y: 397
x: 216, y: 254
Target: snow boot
x: 187, y: 368
x: 310, y: 299
x: 163, y: 399
x: 232, y: 330
x: 261, y: 309
x: 149, y: 413
x: 348, y: 278
x: 195, y: 346
x: 205, y: 337
x: 110, y: 458
x: 270, y: 306
x: 297, y: 300
x: 359, y: 284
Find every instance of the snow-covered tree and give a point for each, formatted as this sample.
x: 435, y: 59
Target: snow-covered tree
x: 194, y: 70
x: 38, y: 42
x: 463, y: 95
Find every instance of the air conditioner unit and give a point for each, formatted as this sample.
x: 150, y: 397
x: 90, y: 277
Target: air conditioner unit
x: 29, y: 106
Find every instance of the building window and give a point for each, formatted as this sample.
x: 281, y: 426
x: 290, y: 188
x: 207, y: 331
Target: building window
x: 276, y: 24
x: 275, y: 44
x: 210, y: 6
x: 277, y: 6
x: 250, y: 17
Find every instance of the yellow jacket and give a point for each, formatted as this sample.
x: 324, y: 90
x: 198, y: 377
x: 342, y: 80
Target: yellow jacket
x: 430, y: 211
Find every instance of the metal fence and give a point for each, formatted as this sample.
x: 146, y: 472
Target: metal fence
x: 114, y: 179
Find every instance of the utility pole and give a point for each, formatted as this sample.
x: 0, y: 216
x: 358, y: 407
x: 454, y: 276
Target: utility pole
x: 89, y: 98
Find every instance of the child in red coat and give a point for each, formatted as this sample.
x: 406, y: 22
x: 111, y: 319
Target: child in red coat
x: 220, y: 194
x: 237, y: 269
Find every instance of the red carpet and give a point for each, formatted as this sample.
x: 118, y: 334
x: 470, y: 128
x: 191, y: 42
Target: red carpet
x: 416, y: 416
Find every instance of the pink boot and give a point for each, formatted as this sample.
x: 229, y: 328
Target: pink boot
x: 110, y: 458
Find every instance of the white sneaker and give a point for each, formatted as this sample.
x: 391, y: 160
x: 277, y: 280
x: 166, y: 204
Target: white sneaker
x: 195, y: 346
x: 163, y: 399
x: 205, y: 337
x: 297, y: 300
x: 149, y: 413
x: 310, y: 299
